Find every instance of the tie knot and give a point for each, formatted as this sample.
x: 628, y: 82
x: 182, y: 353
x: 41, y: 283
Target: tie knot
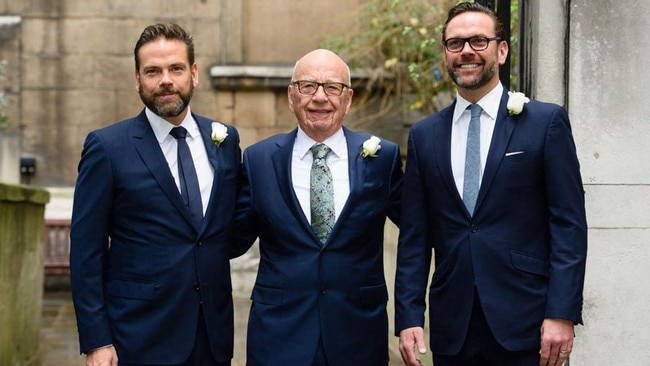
x: 178, y: 132
x: 320, y: 151
x: 475, y: 110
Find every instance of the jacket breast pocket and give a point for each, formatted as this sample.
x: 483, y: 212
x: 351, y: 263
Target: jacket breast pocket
x: 267, y: 295
x: 373, y: 295
x: 521, y: 169
x: 529, y: 263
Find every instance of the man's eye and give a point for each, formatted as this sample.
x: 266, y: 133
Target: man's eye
x: 478, y: 42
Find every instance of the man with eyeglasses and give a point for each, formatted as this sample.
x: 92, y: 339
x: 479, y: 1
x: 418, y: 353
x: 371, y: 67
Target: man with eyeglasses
x: 318, y: 198
x: 493, y: 192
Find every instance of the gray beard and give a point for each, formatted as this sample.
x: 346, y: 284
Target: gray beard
x: 482, y: 79
x: 165, y: 111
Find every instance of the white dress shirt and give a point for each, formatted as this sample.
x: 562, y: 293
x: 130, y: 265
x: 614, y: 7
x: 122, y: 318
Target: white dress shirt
x: 169, y: 147
x: 337, y: 160
x: 460, y: 125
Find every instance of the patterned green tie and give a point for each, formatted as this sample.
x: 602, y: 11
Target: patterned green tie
x: 321, y: 193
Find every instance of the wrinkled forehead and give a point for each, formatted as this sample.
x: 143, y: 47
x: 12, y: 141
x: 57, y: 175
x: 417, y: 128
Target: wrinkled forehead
x: 321, y: 67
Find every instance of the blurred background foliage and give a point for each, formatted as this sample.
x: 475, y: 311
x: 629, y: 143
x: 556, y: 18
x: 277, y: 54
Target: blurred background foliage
x: 396, y: 44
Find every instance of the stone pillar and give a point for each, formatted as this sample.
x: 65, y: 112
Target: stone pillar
x: 22, y: 211
x: 9, y: 157
x: 590, y: 57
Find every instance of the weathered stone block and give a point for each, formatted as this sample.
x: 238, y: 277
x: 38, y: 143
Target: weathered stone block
x: 255, y: 109
x: 303, y: 27
x: 21, y: 272
x: 40, y: 36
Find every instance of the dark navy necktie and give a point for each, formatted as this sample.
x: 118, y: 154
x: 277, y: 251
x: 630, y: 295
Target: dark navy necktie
x: 187, y: 176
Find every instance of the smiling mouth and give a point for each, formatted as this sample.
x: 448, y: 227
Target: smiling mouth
x: 469, y: 66
x: 319, y: 113
x: 165, y: 96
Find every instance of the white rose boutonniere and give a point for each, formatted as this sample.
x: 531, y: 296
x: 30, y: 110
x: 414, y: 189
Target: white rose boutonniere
x: 516, y: 101
x: 370, y: 147
x: 219, y: 133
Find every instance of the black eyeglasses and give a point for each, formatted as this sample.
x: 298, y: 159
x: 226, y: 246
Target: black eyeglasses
x: 477, y: 43
x: 311, y: 87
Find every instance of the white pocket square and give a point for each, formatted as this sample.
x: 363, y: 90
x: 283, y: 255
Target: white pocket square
x: 514, y: 153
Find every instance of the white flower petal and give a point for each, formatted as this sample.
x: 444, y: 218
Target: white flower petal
x: 370, y: 147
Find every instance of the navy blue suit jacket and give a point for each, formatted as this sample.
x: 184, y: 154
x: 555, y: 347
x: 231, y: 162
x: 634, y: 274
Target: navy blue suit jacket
x: 304, y: 289
x: 139, y: 268
x: 524, y: 249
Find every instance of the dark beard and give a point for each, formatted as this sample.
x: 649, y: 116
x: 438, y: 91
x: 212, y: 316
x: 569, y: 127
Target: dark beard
x: 166, y: 110
x: 482, y: 79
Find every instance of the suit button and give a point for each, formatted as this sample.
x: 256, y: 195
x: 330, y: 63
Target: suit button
x: 474, y: 229
x: 199, y: 243
x: 196, y: 287
x: 323, y: 289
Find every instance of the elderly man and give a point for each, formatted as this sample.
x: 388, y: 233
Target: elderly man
x: 318, y: 198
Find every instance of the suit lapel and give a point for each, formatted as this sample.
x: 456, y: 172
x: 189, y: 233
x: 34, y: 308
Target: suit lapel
x: 442, y: 149
x: 356, y: 176
x: 147, y: 146
x: 503, y: 128
x: 281, y: 159
x: 215, y: 157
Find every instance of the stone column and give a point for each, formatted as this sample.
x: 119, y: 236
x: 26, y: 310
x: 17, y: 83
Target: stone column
x: 22, y: 211
x: 10, y: 157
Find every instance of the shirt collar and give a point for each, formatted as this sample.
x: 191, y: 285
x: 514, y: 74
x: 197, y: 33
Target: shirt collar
x: 489, y: 103
x: 161, y: 127
x: 336, y: 142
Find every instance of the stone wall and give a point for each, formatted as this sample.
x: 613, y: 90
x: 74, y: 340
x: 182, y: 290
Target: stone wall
x: 21, y: 273
x: 75, y: 69
x: 9, y: 87
x: 9, y: 157
x: 10, y: 33
x: 590, y: 56
x: 607, y: 97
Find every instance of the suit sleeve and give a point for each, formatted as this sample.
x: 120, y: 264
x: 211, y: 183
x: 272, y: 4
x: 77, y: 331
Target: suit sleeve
x: 396, y: 184
x: 244, y: 227
x: 567, y: 224
x: 414, y: 249
x: 89, y: 233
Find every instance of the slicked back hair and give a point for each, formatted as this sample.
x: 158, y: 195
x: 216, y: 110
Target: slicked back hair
x: 168, y: 31
x: 499, y: 29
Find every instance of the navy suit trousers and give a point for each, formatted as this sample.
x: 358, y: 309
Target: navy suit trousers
x: 201, y: 354
x: 482, y: 349
x: 320, y: 359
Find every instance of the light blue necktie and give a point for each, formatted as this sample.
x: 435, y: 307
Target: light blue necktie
x: 321, y: 193
x: 187, y: 176
x: 473, y: 159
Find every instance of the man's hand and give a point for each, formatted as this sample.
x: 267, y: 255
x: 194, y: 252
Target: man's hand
x: 557, y: 342
x: 105, y: 356
x: 408, y: 339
